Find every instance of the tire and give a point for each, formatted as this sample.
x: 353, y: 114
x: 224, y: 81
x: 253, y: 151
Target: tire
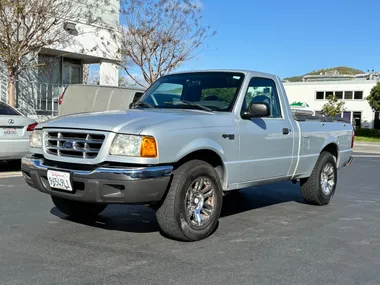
x: 76, y: 208
x: 175, y: 217
x: 312, y: 189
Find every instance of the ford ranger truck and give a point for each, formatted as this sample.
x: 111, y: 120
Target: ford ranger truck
x: 191, y: 138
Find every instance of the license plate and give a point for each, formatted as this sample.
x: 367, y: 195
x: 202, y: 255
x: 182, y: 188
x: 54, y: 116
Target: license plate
x: 59, y: 180
x: 9, y: 132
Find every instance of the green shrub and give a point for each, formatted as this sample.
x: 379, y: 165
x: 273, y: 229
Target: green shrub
x: 369, y: 133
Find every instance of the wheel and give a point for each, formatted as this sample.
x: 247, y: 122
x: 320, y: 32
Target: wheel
x: 77, y: 209
x: 192, y: 206
x: 320, y: 187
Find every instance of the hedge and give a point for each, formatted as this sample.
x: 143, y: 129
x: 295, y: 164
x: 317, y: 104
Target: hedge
x: 369, y: 133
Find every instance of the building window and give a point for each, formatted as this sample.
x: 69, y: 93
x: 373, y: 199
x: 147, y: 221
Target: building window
x: 348, y: 94
x: 358, y: 95
x: 329, y: 93
x: 339, y: 94
x: 320, y: 95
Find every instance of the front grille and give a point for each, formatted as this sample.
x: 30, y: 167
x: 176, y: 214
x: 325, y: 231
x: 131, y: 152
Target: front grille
x: 70, y: 144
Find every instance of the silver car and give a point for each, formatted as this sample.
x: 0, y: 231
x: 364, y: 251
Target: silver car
x: 15, y: 129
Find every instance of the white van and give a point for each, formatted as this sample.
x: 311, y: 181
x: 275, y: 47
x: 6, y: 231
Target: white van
x: 83, y: 98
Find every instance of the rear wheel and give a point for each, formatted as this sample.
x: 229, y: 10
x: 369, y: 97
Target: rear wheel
x: 320, y: 187
x: 76, y: 208
x: 193, y: 203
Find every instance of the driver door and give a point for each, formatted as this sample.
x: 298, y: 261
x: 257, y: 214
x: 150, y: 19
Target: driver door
x: 266, y: 144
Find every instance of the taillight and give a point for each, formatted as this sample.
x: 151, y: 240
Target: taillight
x: 31, y: 127
x: 353, y: 139
x: 61, y: 98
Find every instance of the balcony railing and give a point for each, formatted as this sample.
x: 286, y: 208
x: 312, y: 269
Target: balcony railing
x: 34, y: 98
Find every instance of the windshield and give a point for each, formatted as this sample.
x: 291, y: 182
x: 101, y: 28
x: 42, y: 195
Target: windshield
x: 216, y: 91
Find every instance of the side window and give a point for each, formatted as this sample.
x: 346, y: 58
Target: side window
x: 263, y: 90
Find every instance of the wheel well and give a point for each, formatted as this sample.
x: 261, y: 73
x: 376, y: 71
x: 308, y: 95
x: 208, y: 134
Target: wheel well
x: 208, y: 156
x: 331, y: 148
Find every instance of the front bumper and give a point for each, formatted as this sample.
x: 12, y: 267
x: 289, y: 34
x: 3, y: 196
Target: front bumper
x: 122, y: 185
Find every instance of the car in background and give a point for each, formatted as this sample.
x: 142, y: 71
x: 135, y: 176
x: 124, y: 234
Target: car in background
x: 15, y: 129
x: 83, y: 98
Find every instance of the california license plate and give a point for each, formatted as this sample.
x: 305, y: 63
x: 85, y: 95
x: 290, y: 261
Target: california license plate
x: 59, y: 180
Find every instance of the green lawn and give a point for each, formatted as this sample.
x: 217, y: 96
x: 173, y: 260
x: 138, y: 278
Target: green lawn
x: 365, y: 139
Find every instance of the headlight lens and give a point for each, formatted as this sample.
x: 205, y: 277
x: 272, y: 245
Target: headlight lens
x: 130, y: 145
x: 35, y: 139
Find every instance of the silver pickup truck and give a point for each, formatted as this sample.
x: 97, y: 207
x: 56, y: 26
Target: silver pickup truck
x: 191, y: 138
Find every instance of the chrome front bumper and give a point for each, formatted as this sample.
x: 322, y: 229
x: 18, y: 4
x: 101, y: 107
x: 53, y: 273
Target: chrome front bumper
x: 103, y: 184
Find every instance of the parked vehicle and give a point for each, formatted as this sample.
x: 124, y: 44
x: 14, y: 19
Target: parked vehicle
x: 15, y: 129
x: 82, y: 98
x: 191, y: 138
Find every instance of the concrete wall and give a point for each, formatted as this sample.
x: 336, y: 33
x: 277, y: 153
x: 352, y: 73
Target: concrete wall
x: 97, y: 31
x: 306, y: 92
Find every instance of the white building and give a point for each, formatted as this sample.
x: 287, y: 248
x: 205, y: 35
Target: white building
x: 353, y: 92
x: 38, y: 90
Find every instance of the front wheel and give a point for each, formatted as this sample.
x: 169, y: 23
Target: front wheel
x: 76, y: 208
x: 192, y: 206
x: 319, y: 188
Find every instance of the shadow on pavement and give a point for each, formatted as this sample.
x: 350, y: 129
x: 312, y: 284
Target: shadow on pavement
x: 10, y: 166
x: 140, y: 219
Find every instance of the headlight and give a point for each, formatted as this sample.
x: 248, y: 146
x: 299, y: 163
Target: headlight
x: 130, y: 145
x: 35, y: 139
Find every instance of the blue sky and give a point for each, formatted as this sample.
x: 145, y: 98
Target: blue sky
x: 291, y: 37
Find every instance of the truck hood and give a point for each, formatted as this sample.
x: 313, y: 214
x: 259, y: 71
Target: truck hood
x: 128, y: 121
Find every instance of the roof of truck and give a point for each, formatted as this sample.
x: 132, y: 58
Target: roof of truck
x: 245, y: 71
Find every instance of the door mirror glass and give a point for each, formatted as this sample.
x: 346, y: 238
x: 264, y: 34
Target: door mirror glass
x: 257, y: 110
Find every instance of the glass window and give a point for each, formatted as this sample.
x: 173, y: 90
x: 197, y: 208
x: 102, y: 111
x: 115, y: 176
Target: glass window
x: 214, y: 90
x: 339, y: 94
x: 5, y: 109
x: 320, y: 95
x: 329, y: 93
x: 358, y: 95
x: 348, y: 95
x: 347, y: 116
x: 263, y: 90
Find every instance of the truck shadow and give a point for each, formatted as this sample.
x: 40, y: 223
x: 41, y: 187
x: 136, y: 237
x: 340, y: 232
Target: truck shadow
x: 140, y: 219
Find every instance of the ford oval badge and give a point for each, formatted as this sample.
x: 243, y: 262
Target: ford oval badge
x: 68, y: 145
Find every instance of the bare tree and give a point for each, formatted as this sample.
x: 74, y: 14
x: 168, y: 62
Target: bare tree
x: 159, y: 35
x: 27, y: 26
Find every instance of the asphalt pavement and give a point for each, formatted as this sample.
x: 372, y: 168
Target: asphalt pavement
x: 266, y: 235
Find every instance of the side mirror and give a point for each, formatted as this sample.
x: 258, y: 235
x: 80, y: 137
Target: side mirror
x: 256, y: 110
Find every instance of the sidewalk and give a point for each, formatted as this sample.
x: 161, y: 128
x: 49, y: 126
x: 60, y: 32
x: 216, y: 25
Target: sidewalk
x: 367, y: 147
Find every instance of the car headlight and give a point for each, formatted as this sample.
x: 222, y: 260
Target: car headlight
x: 35, y: 139
x: 131, y: 145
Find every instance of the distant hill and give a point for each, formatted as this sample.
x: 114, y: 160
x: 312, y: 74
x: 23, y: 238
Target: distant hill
x: 342, y: 70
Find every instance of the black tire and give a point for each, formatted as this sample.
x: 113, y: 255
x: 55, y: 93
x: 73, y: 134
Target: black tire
x: 172, y: 215
x: 76, y: 208
x: 311, y: 188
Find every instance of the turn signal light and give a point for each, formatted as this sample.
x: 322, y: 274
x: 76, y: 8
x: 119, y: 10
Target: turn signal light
x: 148, y: 147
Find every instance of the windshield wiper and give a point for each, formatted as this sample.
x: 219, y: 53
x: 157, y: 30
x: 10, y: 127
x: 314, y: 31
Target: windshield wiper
x: 199, y: 106
x: 143, y: 104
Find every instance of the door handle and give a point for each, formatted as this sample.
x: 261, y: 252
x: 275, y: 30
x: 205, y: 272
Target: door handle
x: 285, y: 131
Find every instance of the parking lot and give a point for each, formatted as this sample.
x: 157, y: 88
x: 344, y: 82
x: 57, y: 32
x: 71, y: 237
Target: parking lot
x: 266, y: 235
